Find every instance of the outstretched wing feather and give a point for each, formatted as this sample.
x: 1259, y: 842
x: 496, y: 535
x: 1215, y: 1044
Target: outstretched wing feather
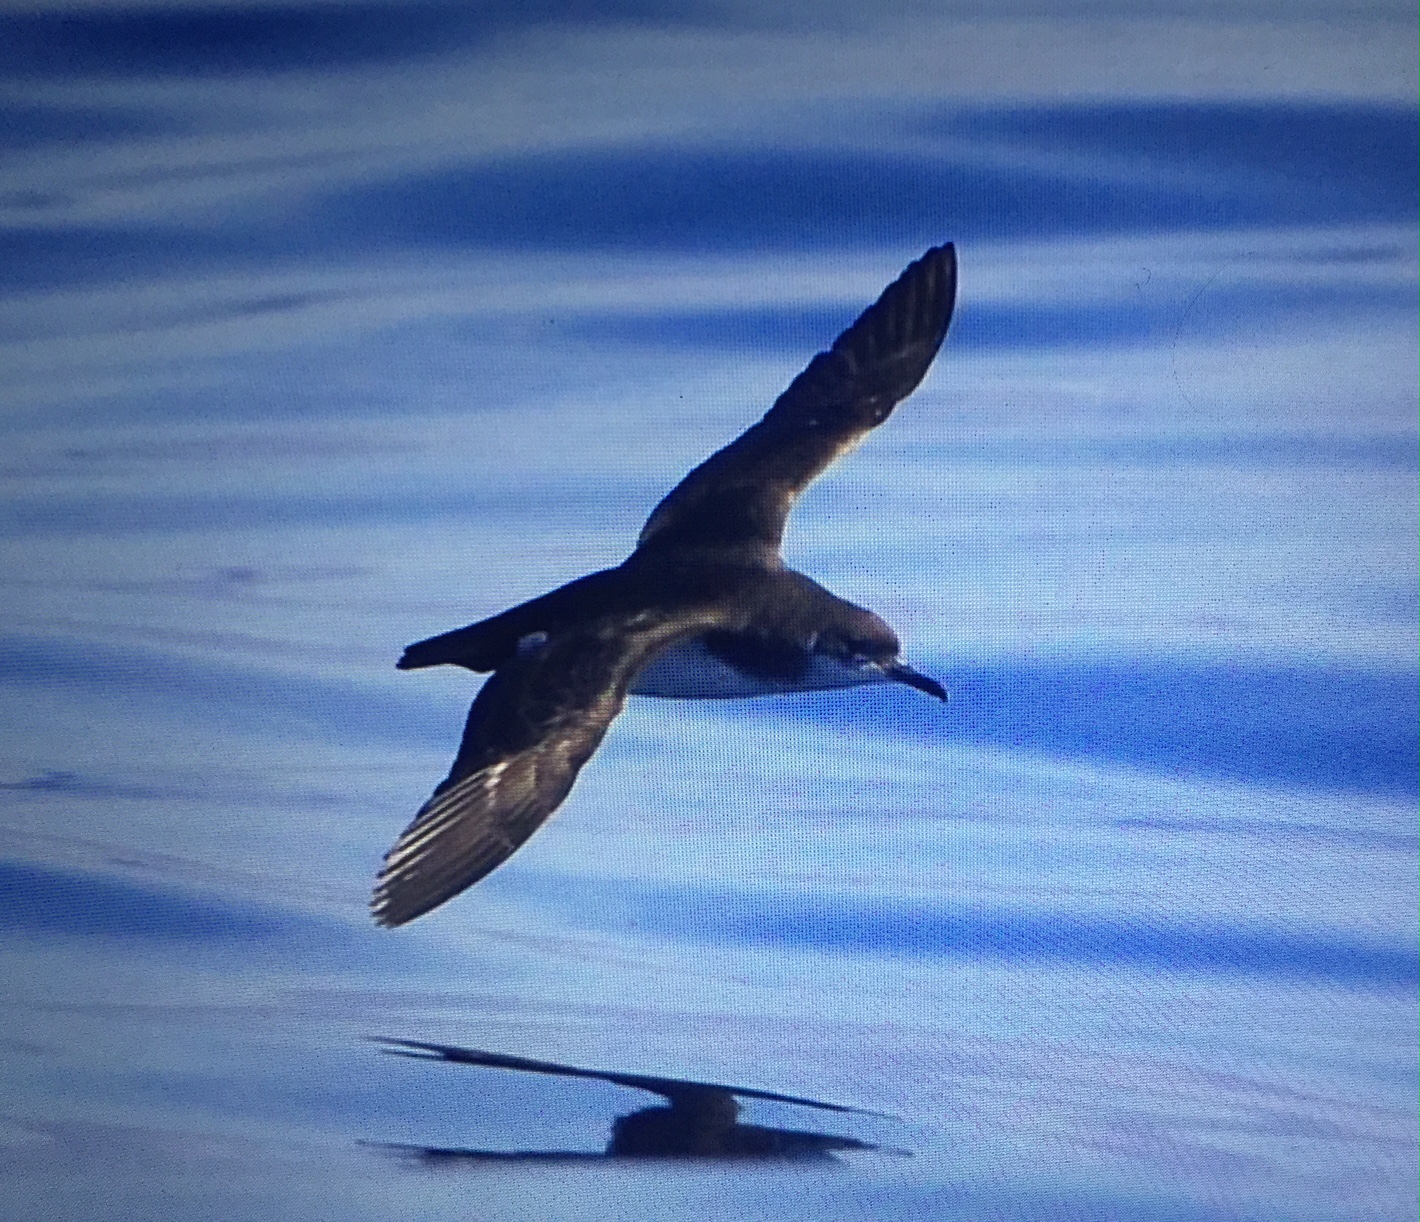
x: 535, y: 723
x: 743, y: 493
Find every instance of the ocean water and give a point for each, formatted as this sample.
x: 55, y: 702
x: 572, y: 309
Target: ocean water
x: 295, y: 375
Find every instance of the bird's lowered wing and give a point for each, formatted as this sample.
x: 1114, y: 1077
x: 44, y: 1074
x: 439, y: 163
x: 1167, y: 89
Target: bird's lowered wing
x: 535, y: 722
x: 668, y: 1088
x: 742, y: 494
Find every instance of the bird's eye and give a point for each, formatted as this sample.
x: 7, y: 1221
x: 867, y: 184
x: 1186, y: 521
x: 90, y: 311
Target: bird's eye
x: 854, y: 652
x: 531, y: 643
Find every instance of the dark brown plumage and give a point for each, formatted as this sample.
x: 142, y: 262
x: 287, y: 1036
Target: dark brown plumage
x: 703, y: 607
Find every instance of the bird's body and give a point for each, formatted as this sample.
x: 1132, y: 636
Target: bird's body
x: 703, y: 608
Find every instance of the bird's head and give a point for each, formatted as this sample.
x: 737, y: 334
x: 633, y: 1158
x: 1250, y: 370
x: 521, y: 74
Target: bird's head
x: 867, y: 642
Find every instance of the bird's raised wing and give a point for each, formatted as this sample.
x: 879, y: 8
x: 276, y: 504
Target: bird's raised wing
x: 535, y: 722
x: 668, y: 1088
x: 743, y: 493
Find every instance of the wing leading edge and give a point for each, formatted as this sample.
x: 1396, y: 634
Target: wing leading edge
x: 743, y: 493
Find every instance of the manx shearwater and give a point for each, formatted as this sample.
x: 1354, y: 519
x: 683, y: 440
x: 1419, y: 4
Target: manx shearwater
x: 704, y: 607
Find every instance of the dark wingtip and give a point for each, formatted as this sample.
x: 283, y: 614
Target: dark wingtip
x: 386, y: 912
x: 945, y: 254
x: 946, y: 257
x: 942, y: 259
x: 905, y: 328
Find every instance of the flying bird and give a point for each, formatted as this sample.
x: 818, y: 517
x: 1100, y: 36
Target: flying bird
x: 699, y: 1119
x: 704, y: 607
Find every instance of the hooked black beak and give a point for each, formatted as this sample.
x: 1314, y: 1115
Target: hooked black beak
x: 900, y: 672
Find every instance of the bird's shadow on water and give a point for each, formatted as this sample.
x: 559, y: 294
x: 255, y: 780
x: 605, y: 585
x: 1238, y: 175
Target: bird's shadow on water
x: 698, y: 1122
